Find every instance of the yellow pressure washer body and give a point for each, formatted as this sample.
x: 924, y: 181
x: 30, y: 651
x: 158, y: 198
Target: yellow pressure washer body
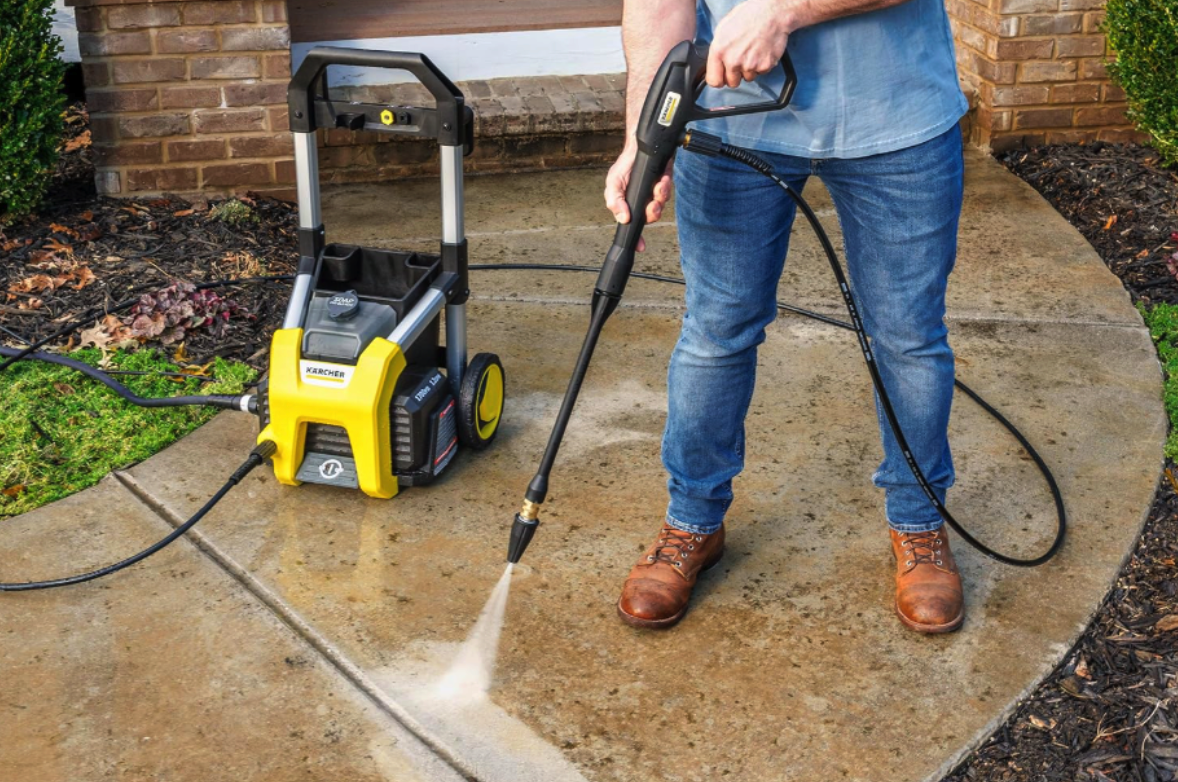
x: 361, y: 392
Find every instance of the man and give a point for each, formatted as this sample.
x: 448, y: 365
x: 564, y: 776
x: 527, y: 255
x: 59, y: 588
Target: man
x: 875, y: 117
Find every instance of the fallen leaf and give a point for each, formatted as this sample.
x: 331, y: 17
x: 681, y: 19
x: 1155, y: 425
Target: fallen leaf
x: 1110, y: 222
x: 1042, y: 724
x: 13, y: 490
x: 1143, y: 254
x: 82, y: 140
x: 183, y: 213
x: 83, y: 277
x: 56, y: 246
x: 65, y: 389
x: 87, y: 216
x: 1167, y: 623
x: 181, y: 354
x: 58, y: 228
x: 1082, y: 669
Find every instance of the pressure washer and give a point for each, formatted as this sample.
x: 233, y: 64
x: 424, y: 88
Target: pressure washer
x: 362, y: 391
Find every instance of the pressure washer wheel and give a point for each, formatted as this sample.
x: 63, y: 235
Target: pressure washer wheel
x: 480, y: 401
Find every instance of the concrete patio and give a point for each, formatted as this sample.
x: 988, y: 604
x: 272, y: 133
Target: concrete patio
x: 293, y: 636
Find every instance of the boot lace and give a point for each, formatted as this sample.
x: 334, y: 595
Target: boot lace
x: 673, y: 546
x: 923, y: 548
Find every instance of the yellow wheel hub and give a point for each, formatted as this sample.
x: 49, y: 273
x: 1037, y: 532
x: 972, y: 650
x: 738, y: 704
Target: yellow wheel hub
x: 490, y: 402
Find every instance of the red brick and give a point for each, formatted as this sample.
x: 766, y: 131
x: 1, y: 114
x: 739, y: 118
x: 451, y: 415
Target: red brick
x: 1027, y: 6
x: 1080, y: 46
x: 226, y: 68
x: 261, y: 146
x: 236, y: 12
x: 1019, y: 96
x: 1123, y: 136
x: 278, y: 118
x: 284, y: 171
x: 128, y: 154
x: 121, y: 100
x: 1093, y: 69
x: 1081, y: 5
x: 1093, y: 21
x: 230, y: 121
x: 95, y: 74
x: 1070, y: 136
x: 1075, y: 93
x: 157, y: 69
x: 255, y: 94
x: 190, y: 97
x: 108, y: 183
x: 1023, y: 50
x: 1053, y: 24
x: 185, y: 41
x: 88, y: 20
x: 121, y: 17
x: 202, y: 149
x: 999, y: 73
x: 1007, y: 142
x: 1047, y: 71
x: 106, y: 44
x: 153, y: 125
x: 236, y: 174
x: 139, y: 180
x: 103, y: 129
x: 277, y: 66
x: 255, y: 39
x: 1102, y: 115
x: 1113, y: 93
x: 971, y: 37
x: 1043, y: 118
x: 274, y: 11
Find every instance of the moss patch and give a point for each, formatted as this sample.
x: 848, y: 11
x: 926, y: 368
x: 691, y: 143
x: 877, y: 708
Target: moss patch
x: 1162, y: 320
x: 61, y: 431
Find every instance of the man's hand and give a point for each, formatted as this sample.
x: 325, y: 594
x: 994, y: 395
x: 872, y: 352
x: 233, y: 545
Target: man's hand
x: 615, y: 190
x: 748, y: 41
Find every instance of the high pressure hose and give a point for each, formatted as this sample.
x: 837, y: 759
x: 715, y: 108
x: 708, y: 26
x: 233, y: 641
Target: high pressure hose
x: 257, y: 457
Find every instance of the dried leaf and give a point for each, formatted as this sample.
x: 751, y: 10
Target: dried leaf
x: 83, y: 277
x: 1082, y: 669
x: 65, y: 389
x: 56, y: 246
x: 80, y: 141
x: 1110, y: 222
x: 183, y: 213
x: 1167, y: 623
x: 13, y: 490
x: 1042, y: 724
x: 87, y: 216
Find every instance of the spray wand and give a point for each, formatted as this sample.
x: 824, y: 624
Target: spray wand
x: 662, y: 128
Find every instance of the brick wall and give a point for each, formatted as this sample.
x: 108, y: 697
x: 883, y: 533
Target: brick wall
x: 186, y: 96
x: 1038, y: 71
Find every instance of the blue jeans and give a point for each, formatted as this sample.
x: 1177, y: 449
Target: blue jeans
x: 899, y: 213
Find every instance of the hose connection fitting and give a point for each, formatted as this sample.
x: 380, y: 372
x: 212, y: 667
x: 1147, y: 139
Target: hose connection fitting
x: 523, y: 527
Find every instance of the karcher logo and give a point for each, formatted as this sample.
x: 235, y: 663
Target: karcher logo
x: 319, y: 373
x: 670, y: 104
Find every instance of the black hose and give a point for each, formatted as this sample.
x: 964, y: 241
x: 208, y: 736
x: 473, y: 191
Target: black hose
x: 856, y: 326
x: 224, y: 401
x: 257, y: 456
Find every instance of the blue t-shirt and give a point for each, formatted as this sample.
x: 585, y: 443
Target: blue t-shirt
x: 867, y: 84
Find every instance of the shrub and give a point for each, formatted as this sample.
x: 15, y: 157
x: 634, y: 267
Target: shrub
x: 1144, y: 34
x: 31, y: 103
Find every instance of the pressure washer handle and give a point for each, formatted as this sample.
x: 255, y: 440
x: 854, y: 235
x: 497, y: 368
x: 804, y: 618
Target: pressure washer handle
x: 670, y: 104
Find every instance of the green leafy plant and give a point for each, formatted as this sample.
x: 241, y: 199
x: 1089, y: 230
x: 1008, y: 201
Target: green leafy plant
x: 233, y: 212
x: 31, y: 103
x: 1144, y: 34
x: 1162, y: 320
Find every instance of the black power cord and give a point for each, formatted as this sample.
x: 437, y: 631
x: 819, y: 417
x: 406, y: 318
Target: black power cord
x: 257, y: 457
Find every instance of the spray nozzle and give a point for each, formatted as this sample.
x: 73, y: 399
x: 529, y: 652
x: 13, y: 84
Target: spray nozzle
x: 522, y: 530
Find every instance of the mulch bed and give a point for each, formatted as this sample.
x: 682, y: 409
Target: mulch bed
x: 86, y: 252
x: 1110, y: 711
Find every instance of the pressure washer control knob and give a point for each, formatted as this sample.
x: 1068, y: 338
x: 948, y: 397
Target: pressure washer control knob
x: 343, y: 306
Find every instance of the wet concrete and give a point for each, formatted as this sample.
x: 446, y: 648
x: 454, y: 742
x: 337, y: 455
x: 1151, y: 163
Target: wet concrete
x: 791, y: 664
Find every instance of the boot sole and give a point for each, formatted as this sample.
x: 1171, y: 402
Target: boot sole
x: 670, y: 621
x: 947, y: 627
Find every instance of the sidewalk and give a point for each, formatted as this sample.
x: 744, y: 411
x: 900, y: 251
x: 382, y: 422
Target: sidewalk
x: 295, y: 638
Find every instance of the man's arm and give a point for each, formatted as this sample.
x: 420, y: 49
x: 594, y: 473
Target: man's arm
x: 650, y: 29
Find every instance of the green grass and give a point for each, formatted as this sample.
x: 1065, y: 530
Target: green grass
x: 1162, y: 320
x: 61, y: 431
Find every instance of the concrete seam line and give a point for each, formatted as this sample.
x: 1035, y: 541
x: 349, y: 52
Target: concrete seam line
x: 303, y: 629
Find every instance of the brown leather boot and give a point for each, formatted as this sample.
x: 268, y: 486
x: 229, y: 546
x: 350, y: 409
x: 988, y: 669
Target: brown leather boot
x: 929, y: 598
x: 658, y: 588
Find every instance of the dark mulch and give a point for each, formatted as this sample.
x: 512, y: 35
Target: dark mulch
x: 1110, y: 711
x: 83, y: 251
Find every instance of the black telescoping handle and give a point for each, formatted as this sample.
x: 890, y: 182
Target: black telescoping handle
x: 307, y: 79
x: 670, y: 104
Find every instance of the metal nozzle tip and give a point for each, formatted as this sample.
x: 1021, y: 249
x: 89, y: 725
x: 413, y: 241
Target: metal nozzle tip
x: 522, y: 531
